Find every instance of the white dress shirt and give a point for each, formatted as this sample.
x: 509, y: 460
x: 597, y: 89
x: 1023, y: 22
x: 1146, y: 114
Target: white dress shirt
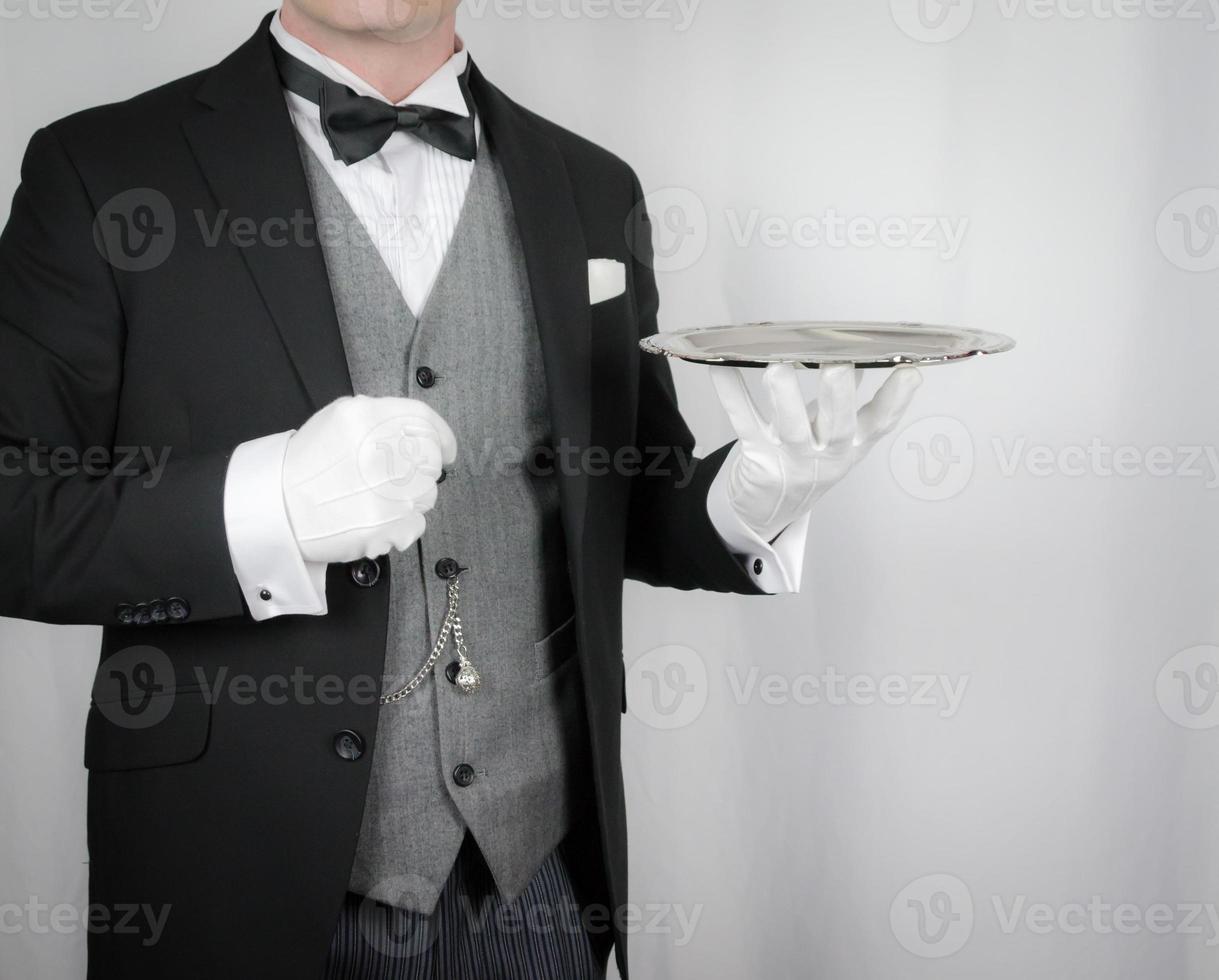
x: 409, y: 197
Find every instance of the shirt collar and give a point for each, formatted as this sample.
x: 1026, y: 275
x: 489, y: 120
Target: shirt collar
x: 439, y: 91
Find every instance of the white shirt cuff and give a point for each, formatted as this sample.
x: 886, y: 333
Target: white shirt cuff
x: 776, y: 567
x: 262, y: 545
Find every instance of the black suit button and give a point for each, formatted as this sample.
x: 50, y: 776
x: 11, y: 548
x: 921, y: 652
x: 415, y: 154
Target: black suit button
x: 452, y: 670
x: 178, y: 609
x: 158, y: 611
x: 447, y: 567
x: 425, y: 376
x: 365, y: 573
x: 463, y: 775
x: 142, y: 615
x: 125, y: 613
x: 349, y: 745
x: 757, y: 566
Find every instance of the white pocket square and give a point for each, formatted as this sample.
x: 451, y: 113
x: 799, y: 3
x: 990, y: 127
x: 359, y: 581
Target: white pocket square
x: 606, y: 279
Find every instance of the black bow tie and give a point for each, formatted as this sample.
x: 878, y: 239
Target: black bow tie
x: 357, y: 126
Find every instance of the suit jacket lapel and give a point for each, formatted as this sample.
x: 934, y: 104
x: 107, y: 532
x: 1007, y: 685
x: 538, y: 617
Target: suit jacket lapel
x: 557, y: 260
x: 247, y: 149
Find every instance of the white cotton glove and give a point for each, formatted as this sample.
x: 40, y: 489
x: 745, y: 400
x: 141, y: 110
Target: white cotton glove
x: 783, y: 462
x: 360, y: 475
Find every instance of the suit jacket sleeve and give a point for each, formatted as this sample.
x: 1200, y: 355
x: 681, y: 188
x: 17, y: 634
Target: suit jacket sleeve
x: 80, y: 539
x: 670, y: 538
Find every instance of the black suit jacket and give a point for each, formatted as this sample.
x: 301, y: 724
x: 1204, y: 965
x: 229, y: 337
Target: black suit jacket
x: 242, y: 817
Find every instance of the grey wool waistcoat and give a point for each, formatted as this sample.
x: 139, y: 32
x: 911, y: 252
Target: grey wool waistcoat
x: 508, y: 762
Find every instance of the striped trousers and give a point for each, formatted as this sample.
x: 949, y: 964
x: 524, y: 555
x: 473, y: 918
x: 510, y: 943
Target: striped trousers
x: 473, y: 934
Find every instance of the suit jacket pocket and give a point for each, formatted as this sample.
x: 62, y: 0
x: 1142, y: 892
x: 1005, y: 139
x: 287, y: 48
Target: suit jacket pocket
x: 609, y: 312
x: 553, y: 651
x: 165, y: 729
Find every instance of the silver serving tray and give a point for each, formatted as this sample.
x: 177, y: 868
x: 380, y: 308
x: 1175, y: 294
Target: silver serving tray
x: 866, y: 345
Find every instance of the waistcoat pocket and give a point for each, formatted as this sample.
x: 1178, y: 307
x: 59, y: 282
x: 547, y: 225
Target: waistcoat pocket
x: 553, y: 651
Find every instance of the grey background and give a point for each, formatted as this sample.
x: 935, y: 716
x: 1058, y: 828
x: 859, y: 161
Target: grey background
x: 803, y: 834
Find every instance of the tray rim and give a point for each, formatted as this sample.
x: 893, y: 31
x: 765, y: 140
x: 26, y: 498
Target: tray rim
x: 1002, y: 344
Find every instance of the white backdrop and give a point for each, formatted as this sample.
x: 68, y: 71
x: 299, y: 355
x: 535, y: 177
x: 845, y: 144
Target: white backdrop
x: 983, y: 741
